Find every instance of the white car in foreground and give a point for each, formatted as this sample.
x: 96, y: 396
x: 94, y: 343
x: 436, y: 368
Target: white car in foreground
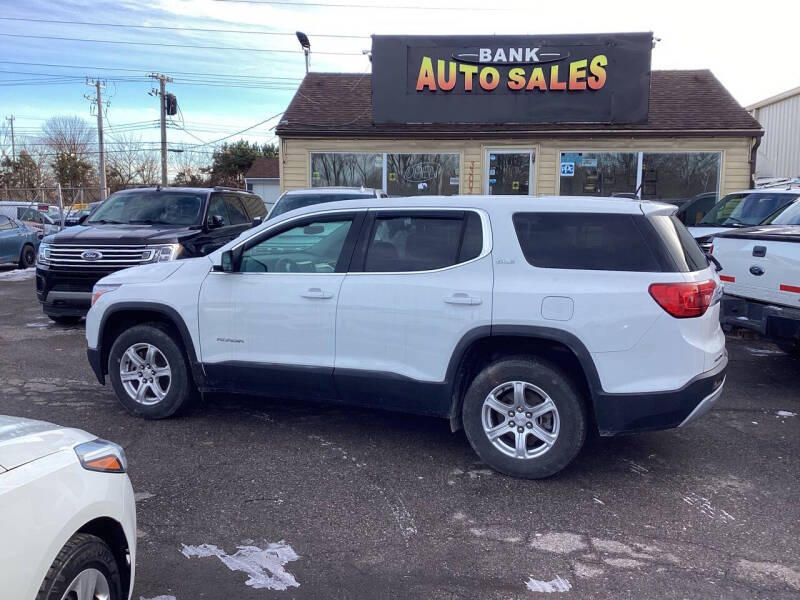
x: 67, y: 514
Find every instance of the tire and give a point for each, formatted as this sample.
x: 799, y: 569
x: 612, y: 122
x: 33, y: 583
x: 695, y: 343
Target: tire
x: 790, y: 347
x: 83, y: 556
x: 564, y: 425
x: 27, y: 258
x: 163, y: 394
x: 64, y: 319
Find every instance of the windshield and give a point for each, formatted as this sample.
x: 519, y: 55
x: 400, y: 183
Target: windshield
x: 291, y: 202
x: 150, y: 208
x: 789, y: 216
x: 745, y: 210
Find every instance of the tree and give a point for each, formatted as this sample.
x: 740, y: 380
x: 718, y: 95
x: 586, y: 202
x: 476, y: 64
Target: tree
x: 69, y: 138
x: 128, y: 164
x: 191, y: 169
x: 231, y: 161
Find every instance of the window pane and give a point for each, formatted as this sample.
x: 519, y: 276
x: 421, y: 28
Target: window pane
x: 676, y: 177
x: 5, y: 223
x: 216, y: 207
x: 681, y: 247
x: 402, y: 244
x: 422, y: 174
x: 235, y: 211
x: 310, y: 248
x: 607, y: 242
x: 346, y: 169
x: 598, y: 173
x: 473, y: 238
x: 509, y: 173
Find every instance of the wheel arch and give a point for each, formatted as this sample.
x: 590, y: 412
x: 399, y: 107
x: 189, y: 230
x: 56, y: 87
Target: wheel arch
x: 112, y: 533
x: 121, y: 316
x: 484, y: 345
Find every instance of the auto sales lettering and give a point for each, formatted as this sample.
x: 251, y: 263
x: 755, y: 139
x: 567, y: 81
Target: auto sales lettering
x: 590, y: 78
x: 524, y: 73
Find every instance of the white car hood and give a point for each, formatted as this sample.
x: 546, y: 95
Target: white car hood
x: 699, y: 232
x: 25, y: 440
x: 154, y: 273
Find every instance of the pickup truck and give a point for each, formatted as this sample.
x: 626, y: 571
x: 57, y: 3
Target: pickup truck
x: 761, y: 279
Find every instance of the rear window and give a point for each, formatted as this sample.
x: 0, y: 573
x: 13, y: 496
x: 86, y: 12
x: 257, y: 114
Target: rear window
x: 292, y: 202
x: 607, y: 242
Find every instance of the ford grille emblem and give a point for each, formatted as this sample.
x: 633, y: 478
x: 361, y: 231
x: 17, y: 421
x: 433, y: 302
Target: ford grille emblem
x: 91, y: 255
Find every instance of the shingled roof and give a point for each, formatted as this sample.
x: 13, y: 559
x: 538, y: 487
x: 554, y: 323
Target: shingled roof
x: 264, y: 168
x: 685, y: 103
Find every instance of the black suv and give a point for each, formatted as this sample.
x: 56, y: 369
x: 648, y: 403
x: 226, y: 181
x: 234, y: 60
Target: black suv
x: 135, y: 227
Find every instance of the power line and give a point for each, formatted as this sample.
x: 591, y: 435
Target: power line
x: 375, y: 6
x: 242, y: 131
x: 143, y: 71
x: 239, y: 31
x: 235, y: 48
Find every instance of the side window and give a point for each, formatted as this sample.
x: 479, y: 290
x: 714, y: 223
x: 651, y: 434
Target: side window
x: 312, y: 247
x: 6, y: 224
x: 254, y: 206
x: 216, y: 207
x: 236, y: 211
x: 421, y: 243
x: 590, y: 241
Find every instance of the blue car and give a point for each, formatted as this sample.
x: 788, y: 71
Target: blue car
x: 18, y: 243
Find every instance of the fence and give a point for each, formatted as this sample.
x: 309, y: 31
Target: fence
x: 73, y: 197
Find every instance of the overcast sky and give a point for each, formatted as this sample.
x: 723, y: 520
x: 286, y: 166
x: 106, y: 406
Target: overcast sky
x: 753, y: 48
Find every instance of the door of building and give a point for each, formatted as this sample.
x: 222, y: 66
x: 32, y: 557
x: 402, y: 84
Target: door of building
x: 509, y: 171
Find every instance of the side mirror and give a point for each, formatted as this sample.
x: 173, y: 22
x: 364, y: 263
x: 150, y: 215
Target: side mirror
x: 230, y: 260
x: 215, y: 221
x: 226, y: 261
x: 257, y: 221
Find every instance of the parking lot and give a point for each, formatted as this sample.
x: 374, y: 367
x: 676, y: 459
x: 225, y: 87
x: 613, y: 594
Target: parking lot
x: 352, y: 503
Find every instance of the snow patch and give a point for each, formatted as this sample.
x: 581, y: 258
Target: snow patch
x: 264, y: 567
x: 785, y: 413
x: 18, y: 274
x: 158, y: 598
x: 548, y: 587
x: 139, y: 496
x: 559, y: 543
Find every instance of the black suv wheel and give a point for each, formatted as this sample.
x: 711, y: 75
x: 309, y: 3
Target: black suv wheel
x: 149, y: 372
x: 524, y: 417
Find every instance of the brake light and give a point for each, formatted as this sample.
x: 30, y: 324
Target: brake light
x: 684, y: 300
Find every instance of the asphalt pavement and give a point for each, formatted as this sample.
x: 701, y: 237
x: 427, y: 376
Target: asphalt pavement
x: 246, y: 498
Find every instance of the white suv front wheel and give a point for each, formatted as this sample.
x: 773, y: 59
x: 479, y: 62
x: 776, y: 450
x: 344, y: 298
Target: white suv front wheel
x: 524, y: 417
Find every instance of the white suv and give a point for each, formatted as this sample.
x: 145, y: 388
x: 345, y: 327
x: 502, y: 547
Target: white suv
x: 527, y: 322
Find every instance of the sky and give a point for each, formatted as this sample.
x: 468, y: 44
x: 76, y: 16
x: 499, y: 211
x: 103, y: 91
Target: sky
x: 226, y: 82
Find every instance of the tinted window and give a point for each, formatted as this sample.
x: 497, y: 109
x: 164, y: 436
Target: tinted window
x: 254, y: 206
x: 679, y: 244
x: 216, y: 207
x: 293, y: 201
x: 236, y: 211
x: 421, y: 243
x: 150, y: 208
x: 744, y: 210
x: 607, y: 242
x: 310, y: 248
x: 788, y: 216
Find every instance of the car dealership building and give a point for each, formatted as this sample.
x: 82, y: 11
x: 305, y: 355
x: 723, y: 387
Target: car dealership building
x: 531, y: 115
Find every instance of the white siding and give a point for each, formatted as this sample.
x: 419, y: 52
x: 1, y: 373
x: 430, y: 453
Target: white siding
x: 779, y: 153
x: 268, y: 189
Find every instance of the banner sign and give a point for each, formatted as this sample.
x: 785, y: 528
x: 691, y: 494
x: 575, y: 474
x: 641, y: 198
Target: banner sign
x: 601, y: 78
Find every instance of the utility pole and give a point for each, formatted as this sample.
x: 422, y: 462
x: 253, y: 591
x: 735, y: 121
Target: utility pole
x: 98, y: 101
x: 162, y: 94
x: 13, y: 147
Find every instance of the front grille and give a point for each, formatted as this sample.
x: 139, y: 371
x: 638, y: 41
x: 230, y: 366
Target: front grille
x: 111, y: 257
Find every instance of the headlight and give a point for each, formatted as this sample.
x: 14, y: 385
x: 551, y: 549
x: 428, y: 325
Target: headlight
x: 43, y: 256
x: 102, y: 455
x: 164, y: 253
x: 100, y: 289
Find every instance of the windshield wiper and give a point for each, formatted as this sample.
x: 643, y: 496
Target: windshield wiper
x: 106, y: 222
x: 148, y: 222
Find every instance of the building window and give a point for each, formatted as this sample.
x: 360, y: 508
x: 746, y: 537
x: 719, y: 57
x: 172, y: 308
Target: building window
x: 422, y: 174
x: 346, y: 169
x: 598, y: 173
x: 668, y: 176
x: 249, y: 186
x: 396, y: 174
x: 679, y: 175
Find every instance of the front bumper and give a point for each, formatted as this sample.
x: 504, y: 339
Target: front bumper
x: 96, y: 362
x: 776, y: 322
x: 66, y: 292
x: 631, y: 413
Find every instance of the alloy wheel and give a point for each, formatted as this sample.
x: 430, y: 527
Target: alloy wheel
x: 145, y: 373
x: 89, y: 584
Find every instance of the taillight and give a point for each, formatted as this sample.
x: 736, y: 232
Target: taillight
x: 684, y: 300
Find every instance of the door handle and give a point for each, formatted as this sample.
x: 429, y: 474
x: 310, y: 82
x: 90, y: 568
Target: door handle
x: 316, y: 293
x: 462, y: 298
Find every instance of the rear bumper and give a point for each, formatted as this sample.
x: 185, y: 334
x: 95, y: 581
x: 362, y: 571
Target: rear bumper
x: 769, y: 320
x: 631, y: 413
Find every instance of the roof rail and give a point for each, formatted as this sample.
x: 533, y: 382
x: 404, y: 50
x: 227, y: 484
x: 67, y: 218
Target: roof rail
x: 230, y: 188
